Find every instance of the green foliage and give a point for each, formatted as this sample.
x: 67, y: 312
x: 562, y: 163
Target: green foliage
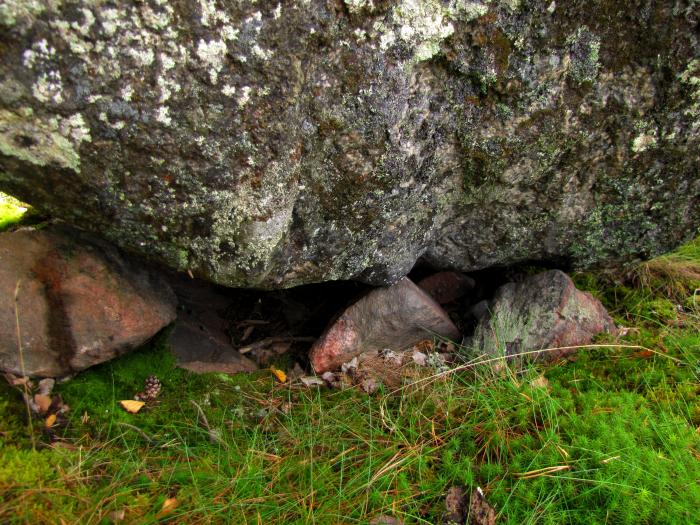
x: 11, y: 211
x: 608, y: 437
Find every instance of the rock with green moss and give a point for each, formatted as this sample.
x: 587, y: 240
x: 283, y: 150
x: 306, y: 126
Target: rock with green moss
x: 269, y: 144
x: 542, y: 317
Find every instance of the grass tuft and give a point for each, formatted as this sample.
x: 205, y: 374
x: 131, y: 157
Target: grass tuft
x: 608, y: 436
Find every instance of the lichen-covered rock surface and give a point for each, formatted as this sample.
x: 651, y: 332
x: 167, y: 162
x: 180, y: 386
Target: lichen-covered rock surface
x: 272, y: 143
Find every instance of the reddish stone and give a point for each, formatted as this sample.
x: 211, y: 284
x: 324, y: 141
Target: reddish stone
x: 79, y: 302
x: 545, y: 311
x: 446, y: 287
x: 396, y: 317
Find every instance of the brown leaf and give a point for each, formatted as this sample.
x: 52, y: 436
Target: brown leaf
x: 455, y: 505
x: 43, y: 402
x: 131, y: 406
x: 169, y: 505
x: 480, y: 512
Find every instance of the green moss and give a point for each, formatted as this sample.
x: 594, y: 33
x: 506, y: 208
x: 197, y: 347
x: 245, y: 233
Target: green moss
x: 11, y: 211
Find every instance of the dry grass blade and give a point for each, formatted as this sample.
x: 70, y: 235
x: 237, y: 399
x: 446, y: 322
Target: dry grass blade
x: 541, y: 472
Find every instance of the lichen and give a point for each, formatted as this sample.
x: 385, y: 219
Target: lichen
x: 38, y: 142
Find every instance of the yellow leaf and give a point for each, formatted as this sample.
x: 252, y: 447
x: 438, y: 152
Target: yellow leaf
x: 42, y: 401
x: 131, y: 406
x: 169, y: 505
x: 279, y: 374
x: 51, y: 421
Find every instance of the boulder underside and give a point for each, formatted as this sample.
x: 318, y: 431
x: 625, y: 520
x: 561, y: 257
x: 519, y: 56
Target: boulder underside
x: 271, y: 144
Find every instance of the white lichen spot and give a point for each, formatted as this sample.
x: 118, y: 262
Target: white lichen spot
x: 76, y: 129
x: 127, y: 92
x: 212, y: 55
x: 355, y: 6
x: 277, y: 12
x: 262, y: 54
x: 40, y: 51
x: 229, y: 33
x: 142, y: 57
x: 89, y: 21
x: 163, y: 115
x: 552, y: 7
x: 109, y: 21
x: 360, y: 33
x: 643, y: 142
x: 245, y: 96
x: 167, y: 62
x: 228, y: 90
x: 48, y: 87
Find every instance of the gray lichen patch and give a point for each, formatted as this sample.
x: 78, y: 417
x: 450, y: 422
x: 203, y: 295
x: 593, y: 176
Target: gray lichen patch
x: 40, y: 143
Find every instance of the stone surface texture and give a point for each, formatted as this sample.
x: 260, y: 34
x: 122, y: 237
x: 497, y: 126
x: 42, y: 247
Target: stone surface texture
x: 544, y: 311
x: 393, y: 318
x: 270, y: 144
x: 79, y: 302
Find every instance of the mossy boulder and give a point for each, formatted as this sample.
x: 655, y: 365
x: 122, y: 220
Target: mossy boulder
x: 270, y: 144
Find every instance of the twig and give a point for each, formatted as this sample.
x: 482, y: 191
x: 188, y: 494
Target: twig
x: 145, y: 436
x: 214, y: 435
x: 272, y: 340
x: 202, y: 417
x: 25, y: 386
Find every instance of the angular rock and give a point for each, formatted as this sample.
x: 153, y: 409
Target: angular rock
x: 396, y: 318
x: 272, y: 144
x: 544, y: 311
x: 200, y: 341
x: 446, y: 287
x: 78, y: 300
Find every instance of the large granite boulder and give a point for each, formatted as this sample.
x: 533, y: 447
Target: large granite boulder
x: 269, y: 144
x: 68, y: 301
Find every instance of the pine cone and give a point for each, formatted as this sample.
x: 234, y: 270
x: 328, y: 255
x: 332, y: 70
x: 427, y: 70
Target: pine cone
x: 151, y: 390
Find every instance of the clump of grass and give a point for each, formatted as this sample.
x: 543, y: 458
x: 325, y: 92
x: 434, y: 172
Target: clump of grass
x: 608, y: 436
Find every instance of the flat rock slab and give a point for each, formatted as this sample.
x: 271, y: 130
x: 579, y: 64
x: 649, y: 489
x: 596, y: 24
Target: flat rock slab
x: 545, y: 311
x: 198, y: 349
x: 396, y: 318
x: 79, y: 302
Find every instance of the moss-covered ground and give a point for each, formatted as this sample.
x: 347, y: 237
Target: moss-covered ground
x: 610, y: 436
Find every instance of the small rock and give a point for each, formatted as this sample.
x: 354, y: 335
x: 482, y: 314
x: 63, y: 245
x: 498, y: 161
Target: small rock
x: 79, y: 301
x: 446, y: 287
x: 420, y: 358
x: 544, y: 311
x: 396, y: 317
x: 312, y: 381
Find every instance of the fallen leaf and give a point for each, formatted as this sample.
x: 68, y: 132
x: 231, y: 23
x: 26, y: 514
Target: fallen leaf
x: 85, y: 418
x: 312, y: 381
x: 51, y: 421
x: 279, y: 374
x: 455, y: 505
x: 480, y: 511
x: 169, y: 505
x: 43, y: 402
x: 131, y: 406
